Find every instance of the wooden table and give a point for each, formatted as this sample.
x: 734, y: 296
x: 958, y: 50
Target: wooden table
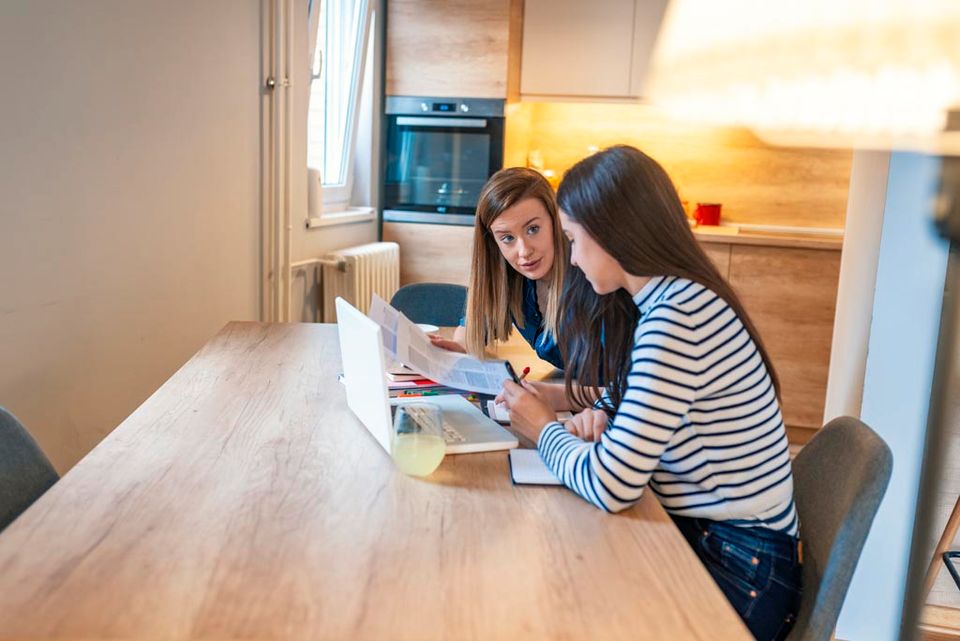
x: 244, y: 500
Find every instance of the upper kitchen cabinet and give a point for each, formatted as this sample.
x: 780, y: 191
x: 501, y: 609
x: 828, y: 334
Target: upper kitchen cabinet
x: 595, y: 49
x: 448, y: 48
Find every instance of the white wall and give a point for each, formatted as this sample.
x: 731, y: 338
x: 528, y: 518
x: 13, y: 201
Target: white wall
x: 896, y: 393
x: 129, y: 201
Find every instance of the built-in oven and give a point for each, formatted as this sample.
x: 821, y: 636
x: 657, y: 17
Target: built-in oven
x: 439, y: 153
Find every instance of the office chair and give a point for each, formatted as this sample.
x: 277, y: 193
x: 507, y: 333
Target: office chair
x: 25, y: 473
x: 438, y: 304
x: 839, y: 478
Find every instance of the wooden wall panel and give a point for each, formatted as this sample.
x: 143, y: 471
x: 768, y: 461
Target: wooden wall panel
x: 514, y: 50
x: 757, y: 183
x: 453, y: 48
x: 719, y: 253
x: 432, y: 253
x: 791, y: 296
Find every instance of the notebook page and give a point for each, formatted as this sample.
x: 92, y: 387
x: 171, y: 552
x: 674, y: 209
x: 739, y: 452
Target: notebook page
x: 527, y: 468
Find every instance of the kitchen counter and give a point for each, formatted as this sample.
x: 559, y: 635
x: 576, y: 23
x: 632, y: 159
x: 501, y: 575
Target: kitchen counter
x: 731, y: 236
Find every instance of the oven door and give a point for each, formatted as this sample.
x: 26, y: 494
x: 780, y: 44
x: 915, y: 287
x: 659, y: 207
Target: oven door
x: 437, y: 165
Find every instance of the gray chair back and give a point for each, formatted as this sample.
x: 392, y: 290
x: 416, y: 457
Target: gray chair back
x: 839, y: 478
x: 25, y: 473
x: 439, y: 304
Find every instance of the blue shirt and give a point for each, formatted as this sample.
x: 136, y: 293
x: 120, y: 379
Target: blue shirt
x: 533, y: 330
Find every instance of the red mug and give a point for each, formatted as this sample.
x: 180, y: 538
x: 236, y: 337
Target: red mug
x: 707, y: 214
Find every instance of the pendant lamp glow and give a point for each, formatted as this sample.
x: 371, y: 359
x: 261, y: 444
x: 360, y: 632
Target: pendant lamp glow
x: 865, y: 73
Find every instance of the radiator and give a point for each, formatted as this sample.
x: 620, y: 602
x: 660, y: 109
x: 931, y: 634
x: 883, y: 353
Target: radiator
x: 357, y: 273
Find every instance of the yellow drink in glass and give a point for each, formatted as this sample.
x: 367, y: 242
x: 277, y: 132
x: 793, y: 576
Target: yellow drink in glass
x: 418, y: 444
x: 418, y: 454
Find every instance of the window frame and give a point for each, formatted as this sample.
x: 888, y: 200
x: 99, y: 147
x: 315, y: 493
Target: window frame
x: 336, y: 196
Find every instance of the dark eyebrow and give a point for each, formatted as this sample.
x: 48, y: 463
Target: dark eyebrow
x: 531, y: 220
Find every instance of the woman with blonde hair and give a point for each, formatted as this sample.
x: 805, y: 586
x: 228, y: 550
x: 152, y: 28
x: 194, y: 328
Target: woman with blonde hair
x: 520, y: 258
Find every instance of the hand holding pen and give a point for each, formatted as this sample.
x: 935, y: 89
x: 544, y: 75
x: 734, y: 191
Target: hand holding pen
x: 529, y: 411
x: 516, y: 379
x: 513, y: 374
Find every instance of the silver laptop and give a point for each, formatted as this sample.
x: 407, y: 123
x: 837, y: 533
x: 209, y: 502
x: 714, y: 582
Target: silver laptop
x: 466, y: 429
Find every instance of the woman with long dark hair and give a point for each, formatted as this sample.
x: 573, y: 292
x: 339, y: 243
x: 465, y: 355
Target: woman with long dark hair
x: 690, y: 406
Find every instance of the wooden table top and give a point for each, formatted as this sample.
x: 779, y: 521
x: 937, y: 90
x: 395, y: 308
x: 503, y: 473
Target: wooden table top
x: 244, y: 500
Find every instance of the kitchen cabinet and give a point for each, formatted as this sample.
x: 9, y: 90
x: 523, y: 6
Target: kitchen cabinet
x: 448, y: 48
x: 719, y: 253
x: 597, y: 49
x: 432, y: 253
x: 791, y: 296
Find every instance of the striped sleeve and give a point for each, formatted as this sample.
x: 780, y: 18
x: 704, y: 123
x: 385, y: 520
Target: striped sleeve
x: 661, y: 386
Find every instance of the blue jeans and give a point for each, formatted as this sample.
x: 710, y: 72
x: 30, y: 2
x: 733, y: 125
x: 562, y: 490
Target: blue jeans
x: 758, y: 570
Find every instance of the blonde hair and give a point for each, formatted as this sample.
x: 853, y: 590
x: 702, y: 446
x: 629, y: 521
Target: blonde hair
x: 496, y: 289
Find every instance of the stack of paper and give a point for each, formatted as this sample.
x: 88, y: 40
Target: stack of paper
x: 400, y: 372
x: 419, y: 383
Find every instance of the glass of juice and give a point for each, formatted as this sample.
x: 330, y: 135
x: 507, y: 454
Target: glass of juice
x: 418, y: 445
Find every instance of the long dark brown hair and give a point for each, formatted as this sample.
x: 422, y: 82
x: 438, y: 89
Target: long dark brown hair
x: 496, y: 289
x: 626, y: 202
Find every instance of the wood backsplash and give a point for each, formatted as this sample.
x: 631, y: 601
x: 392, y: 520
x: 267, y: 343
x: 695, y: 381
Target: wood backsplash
x: 756, y: 182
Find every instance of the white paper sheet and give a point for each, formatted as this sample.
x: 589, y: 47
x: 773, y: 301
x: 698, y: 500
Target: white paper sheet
x: 498, y: 412
x: 407, y: 343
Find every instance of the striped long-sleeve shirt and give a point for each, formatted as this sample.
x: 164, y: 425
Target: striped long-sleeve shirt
x: 699, y: 421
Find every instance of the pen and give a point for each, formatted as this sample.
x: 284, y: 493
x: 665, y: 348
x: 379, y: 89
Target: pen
x: 511, y: 372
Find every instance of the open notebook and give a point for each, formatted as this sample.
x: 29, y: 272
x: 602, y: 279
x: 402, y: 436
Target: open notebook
x: 527, y: 468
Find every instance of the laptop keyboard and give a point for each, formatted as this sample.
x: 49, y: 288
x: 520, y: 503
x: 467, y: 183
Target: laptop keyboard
x: 450, y: 435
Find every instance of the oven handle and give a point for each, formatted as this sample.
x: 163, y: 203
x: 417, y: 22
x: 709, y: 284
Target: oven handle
x: 413, y: 121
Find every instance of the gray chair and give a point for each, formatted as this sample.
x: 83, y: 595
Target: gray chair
x: 25, y: 473
x: 839, y: 478
x: 434, y: 303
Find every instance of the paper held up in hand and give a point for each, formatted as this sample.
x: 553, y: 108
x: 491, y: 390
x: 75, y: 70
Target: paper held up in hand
x: 407, y: 343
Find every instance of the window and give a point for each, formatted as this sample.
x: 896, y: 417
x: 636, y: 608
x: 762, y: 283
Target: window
x: 341, y: 31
